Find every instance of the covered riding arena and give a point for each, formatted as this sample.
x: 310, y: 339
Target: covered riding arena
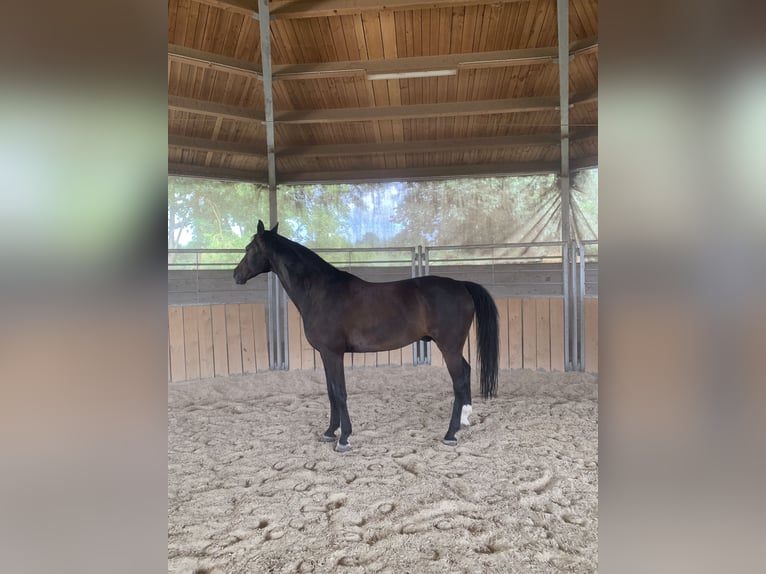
x: 291, y: 93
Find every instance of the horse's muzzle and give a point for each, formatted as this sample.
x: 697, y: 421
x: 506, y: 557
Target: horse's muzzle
x: 239, y: 279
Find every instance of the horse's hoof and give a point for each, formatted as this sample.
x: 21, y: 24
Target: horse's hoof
x: 450, y: 442
x: 327, y: 438
x: 342, y: 447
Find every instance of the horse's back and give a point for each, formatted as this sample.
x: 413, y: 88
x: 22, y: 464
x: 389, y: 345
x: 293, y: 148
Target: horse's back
x: 389, y: 315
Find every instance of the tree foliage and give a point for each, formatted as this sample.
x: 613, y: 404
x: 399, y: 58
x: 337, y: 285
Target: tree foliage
x: 211, y: 214
x: 214, y: 214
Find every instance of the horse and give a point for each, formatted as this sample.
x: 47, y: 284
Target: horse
x: 342, y: 313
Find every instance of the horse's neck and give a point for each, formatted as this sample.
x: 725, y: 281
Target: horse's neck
x: 295, y: 276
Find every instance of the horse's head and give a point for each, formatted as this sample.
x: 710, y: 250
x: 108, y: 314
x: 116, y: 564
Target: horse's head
x: 256, y: 259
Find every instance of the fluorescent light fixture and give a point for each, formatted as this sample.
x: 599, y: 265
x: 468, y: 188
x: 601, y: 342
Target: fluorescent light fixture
x: 405, y: 75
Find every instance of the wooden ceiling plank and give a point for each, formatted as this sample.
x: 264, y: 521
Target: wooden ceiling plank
x: 338, y: 37
x: 191, y: 26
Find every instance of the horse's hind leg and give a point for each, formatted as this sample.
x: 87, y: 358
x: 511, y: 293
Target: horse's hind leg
x: 466, y: 396
x: 460, y: 375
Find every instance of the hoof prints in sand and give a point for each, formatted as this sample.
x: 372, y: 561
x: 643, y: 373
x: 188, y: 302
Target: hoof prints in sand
x: 518, y: 493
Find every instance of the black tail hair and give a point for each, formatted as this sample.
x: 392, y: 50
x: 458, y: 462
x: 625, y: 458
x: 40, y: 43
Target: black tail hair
x: 488, y: 337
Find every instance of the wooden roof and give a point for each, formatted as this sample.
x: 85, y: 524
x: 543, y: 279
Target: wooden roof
x: 367, y: 90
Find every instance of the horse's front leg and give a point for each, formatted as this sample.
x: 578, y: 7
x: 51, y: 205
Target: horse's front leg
x: 336, y: 389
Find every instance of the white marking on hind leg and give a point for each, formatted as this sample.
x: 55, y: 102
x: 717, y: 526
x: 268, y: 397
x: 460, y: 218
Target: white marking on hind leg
x: 467, y: 409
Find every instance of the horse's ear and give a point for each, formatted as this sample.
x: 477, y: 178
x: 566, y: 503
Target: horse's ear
x: 274, y: 229
x: 260, y: 227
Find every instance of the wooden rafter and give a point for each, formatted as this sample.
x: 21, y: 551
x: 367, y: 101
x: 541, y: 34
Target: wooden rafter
x: 348, y: 150
x: 466, y: 61
x: 228, y: 174
x: 413, y: 111
x: 291, y: 9
x: 416, y: 173
x: 382, y: 175
x: 214, y: 109
x: 202, y: 144
x: 416, y: 64
x: 214, y: 61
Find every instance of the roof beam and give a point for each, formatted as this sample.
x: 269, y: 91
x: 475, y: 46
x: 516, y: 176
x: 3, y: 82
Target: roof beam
x: 423, y: 146
x: 348, y: 150
x: 247, y: 7
x: 583, y: 46
x: 467, y: 61
x: 584, y: 163
x: 379, y: 175
x: 451, y: 109
x: 292, y: 9
x: 416, y: 173
x: 414, y: 111
x: 202, y: 144
x: 416, y: 64
x: 215, y: 61
x: 323, y: 8
x: 222, y: 173
x: 214, y: 109
x: 583, y: 98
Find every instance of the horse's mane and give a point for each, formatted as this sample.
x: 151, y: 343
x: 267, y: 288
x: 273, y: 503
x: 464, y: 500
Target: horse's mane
x: 307, y: 258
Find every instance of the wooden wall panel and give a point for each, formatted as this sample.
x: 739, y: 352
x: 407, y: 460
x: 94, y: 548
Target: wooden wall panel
x: 260, y: 330
x: 233, y: 339
x: 502, y: 313
x: 515, y: 332
x: 176, y: 343
x: 471, y: 344
x: 220, y: 353
x: 191, y: 342
x: 249, y: 364
x: 543, y: 334
x: 294, y: 336
x: 529, y: 333
x: 437, y: 359
x: 220, y: 340
x: 205, y: 333
x: 308, y: 360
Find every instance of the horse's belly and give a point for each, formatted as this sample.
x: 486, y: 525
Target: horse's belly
x: 382, y: 335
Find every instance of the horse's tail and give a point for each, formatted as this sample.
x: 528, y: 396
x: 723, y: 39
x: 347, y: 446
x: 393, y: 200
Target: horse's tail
x: 488, y: 335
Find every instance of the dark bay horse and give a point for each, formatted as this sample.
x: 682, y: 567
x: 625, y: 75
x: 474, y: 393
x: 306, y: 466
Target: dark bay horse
x: 343, y: 314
